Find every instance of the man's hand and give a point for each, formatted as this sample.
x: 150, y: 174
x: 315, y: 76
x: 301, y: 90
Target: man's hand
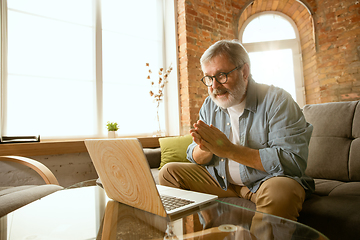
x: 211, y: 139
x: 198, y: 139
x: 201, y: 154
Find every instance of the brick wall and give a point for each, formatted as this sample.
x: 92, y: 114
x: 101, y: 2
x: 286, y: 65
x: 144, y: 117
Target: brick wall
x: 200, y: 24
x: 338, y: 55
x: 329, y: 34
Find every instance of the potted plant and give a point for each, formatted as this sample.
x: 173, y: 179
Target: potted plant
x: 112, y: 127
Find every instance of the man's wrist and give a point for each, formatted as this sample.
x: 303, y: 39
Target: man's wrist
x: 200, y: 156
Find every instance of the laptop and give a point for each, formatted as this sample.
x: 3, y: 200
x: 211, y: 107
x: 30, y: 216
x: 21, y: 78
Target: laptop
x: 126, y: 177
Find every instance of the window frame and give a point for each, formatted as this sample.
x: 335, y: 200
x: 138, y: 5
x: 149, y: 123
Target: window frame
x: 171, y: 96
x: 293, y: 44
x: 3, y: 61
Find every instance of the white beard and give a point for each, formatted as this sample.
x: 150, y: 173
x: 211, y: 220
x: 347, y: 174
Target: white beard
x: 234, y: 96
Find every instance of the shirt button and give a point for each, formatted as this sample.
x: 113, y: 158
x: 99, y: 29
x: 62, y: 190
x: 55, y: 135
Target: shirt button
x: 222, y: 160
x: 223, y: 177
x: 228, y: 124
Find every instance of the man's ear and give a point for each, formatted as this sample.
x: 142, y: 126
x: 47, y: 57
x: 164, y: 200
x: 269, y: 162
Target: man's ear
x: 246, y: 71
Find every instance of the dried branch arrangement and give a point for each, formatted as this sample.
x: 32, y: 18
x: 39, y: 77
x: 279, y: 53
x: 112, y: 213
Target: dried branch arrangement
x: 158, y: 86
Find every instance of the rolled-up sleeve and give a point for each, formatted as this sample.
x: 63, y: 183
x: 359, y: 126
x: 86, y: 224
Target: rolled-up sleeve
x: 189, y: 152
x: 288, y: 140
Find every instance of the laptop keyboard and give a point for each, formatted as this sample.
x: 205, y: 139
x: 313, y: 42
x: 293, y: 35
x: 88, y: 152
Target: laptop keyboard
x: 171, y: 203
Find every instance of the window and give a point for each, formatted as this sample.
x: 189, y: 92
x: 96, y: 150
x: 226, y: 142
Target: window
x: 272, y: 42
x: 74, y: 65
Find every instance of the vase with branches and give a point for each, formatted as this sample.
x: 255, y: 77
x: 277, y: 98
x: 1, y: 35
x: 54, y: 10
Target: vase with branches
x: 157, y: 88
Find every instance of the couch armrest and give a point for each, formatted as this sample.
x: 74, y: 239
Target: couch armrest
x: 153, y: 156
x: 40, y: 168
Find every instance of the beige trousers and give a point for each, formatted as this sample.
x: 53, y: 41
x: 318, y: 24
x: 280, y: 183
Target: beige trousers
x: 280, y: 196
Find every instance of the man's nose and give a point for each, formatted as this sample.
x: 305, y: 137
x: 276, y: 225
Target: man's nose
x: 215, y: 84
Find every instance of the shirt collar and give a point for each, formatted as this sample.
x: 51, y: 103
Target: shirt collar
x: 251, y: 99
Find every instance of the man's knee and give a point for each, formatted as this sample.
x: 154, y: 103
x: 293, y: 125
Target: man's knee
x: 280, y: 196
x: 165, y: 174
x: 173, y: 174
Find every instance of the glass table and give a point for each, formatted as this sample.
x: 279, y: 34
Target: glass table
x: 84, y: 212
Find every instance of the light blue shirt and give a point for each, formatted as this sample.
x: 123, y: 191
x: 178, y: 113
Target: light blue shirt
x: 273, y: 123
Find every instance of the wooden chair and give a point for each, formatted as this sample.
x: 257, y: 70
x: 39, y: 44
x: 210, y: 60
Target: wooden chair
x: 12, y: 198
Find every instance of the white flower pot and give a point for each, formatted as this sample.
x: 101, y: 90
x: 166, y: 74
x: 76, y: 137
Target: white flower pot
x: 112, y: 134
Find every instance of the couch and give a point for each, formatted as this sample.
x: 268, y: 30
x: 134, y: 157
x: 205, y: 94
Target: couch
x: 334, y: 163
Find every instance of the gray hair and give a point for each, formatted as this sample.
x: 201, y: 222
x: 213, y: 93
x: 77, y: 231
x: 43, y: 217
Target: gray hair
x: 232, y: 49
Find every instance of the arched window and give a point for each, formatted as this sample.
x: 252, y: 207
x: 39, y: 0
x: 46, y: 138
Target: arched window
x: 273, y: 44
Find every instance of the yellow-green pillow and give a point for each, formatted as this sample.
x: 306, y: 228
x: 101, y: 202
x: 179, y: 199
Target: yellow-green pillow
x: 173, y: 149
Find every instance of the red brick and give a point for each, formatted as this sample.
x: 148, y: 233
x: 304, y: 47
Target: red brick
x: 340, y: 12
x: 354, y: 7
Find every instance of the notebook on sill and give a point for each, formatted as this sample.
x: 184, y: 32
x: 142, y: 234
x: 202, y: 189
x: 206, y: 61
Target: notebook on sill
x: 126, y: 177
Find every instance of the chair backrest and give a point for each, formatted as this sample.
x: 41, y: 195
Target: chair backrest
x: 12, y: 198
x: 334, y: 151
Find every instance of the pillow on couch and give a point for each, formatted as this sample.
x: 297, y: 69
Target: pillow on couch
x: 153, y: 156
x: 173, y: 149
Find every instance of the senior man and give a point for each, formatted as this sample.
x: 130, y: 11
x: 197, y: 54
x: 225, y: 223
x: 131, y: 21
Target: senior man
x: 251, y: 140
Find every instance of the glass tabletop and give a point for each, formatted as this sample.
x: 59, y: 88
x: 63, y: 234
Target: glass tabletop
x: 84, y: 212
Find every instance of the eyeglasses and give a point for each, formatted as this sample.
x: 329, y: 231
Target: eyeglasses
x: 220, y: 78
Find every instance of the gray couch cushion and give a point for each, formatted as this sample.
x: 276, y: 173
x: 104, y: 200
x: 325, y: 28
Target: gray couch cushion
x: 354, y: 155
x: 354, y: 159
x: 335, y: 216
x: 334, y: 144
x: 8, y: 190
x: 331, y: 119
x: 356, y: 122
x: 15, y: 197
x: 153, y: 155
x: 323, y: 187
x: 326, y: 187
x: 328, y: 158
x: 347, y: 189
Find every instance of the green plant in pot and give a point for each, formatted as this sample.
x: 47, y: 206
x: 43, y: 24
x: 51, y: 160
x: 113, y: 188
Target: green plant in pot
x: 112, y: 127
